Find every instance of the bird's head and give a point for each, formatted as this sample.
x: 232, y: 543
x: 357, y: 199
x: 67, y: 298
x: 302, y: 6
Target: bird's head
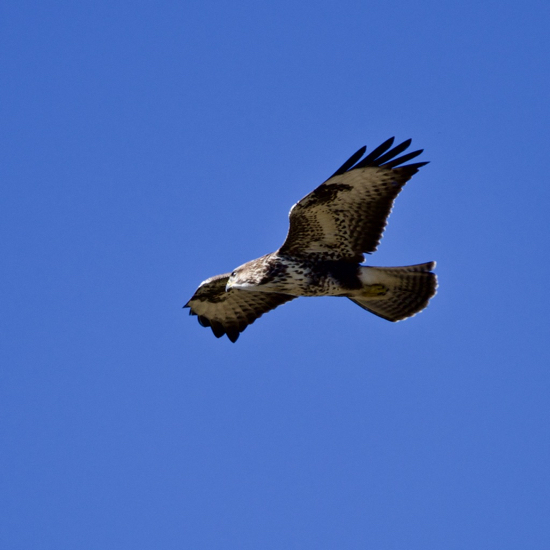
x: 241, y: 278
x: 256, y: 275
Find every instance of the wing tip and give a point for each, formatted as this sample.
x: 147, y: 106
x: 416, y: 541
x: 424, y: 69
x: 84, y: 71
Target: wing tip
x: 383, y: 155
x: 203, y: 321
x: 218, y: 329
x: 233, y: 335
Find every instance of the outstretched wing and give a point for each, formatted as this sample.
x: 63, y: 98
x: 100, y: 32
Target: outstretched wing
x: 345, y: 216
x: 232, y: 311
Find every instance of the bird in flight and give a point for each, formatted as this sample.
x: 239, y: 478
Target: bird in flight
x: 330, y: 230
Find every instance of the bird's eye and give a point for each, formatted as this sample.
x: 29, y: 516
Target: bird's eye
x: 233, y: 274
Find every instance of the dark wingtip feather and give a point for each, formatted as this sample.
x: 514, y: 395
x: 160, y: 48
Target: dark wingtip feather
x: 370, y: 159
x: 350, y: 162
x: 393, y: 153
x: 381, y: 156
x: 417, y: 165
x: 400, y: 160
x: 217, y: 329
x: 383, y: 147
x: 204, y: 321
x: 232, y: 334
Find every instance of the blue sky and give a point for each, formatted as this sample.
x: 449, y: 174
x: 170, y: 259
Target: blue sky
x: 148, y: 146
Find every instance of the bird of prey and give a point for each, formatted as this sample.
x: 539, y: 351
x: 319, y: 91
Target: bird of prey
x: 330, y: 230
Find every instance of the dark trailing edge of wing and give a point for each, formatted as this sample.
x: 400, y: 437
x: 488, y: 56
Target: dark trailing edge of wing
x: 234, y: 328
x: 217, y: 328
x: 383, y: 155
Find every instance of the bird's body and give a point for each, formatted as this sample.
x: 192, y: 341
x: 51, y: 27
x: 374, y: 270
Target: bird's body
x: 304, y: 276
x: 330, y: 230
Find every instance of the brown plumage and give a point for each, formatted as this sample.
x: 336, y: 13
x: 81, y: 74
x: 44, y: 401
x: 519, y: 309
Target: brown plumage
x: 330, y: 230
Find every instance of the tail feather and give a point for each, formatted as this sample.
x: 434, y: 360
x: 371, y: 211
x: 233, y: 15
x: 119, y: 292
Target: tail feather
x: 399, y: 292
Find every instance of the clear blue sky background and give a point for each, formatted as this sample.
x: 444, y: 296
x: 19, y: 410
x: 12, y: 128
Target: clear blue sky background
x: 146, y: 146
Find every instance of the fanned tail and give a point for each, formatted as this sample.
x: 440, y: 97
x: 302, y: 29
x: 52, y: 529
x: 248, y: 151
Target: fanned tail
x: 395, y: 293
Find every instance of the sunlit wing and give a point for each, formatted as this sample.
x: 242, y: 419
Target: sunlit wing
x: 345, y: 217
